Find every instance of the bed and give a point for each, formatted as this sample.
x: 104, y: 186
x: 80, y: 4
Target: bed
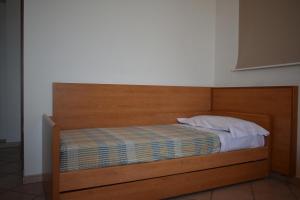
x: 119, y: 113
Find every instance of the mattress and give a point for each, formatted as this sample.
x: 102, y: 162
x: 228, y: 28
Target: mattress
x: 106, y: 147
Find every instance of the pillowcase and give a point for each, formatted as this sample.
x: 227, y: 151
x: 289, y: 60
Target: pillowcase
x: 236, y: 127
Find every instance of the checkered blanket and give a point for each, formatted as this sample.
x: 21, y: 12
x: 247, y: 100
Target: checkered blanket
x: 105, y: 147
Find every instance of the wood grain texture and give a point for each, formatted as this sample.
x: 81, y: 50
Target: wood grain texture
x: 89, y: 178
x: 51, y: 158
x: 81, y: 179
x: 97, y: 105
x: 100, y: 105
x: 279, y: 103
x: 169, y: 186
x: 293, y: 156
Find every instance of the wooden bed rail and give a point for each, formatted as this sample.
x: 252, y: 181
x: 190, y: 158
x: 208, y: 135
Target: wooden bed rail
x: 51, y: 159
x: 84, y: 179
x: 57, y: 182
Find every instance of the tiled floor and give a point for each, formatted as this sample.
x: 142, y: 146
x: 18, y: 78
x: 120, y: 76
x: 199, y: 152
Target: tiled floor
x: 266, y: 189
x: 11, y: 187
x: 273, y: 188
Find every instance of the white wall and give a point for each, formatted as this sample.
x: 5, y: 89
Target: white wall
x: 226, y: 47
x: 10, y: 90
x: 169, y: 42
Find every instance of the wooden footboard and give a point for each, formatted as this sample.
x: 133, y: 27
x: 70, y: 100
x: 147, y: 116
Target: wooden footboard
x: 51, y: 174
x: 173, y: 185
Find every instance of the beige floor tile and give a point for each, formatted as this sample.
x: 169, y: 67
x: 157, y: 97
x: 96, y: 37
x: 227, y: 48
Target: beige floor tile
x: 295, y: 181
x: 295, y: 190
x: 41, y: 197
x: 10, y: 168
x: 195, y: 196
x: 10, y: 154
x: 2, y: 162
x: 15, y: 196
x: 10, y: 181
x: 272, y: 189
x: 239, y: 191
x: 32, y: 188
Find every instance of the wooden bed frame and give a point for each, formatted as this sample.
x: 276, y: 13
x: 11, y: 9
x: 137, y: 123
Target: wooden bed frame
x: 95, y: 105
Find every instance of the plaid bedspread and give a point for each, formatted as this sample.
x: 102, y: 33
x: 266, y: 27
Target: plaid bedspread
x: 104, y: 147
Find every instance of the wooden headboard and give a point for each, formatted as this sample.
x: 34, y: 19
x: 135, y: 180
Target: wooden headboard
x: 104, y: 105
x: 278, y: 102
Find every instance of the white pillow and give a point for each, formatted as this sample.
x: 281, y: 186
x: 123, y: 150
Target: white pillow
x: 236, y: 127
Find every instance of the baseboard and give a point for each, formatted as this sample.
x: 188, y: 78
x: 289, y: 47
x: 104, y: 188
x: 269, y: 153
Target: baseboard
x: 32, y: 179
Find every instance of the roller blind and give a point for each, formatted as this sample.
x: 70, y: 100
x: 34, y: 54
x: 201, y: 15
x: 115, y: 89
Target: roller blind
x: 269, y: 33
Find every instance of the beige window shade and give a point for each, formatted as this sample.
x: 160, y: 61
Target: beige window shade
x: 269, y: 33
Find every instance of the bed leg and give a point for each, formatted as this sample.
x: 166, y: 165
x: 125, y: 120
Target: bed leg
x: 50, y: 158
